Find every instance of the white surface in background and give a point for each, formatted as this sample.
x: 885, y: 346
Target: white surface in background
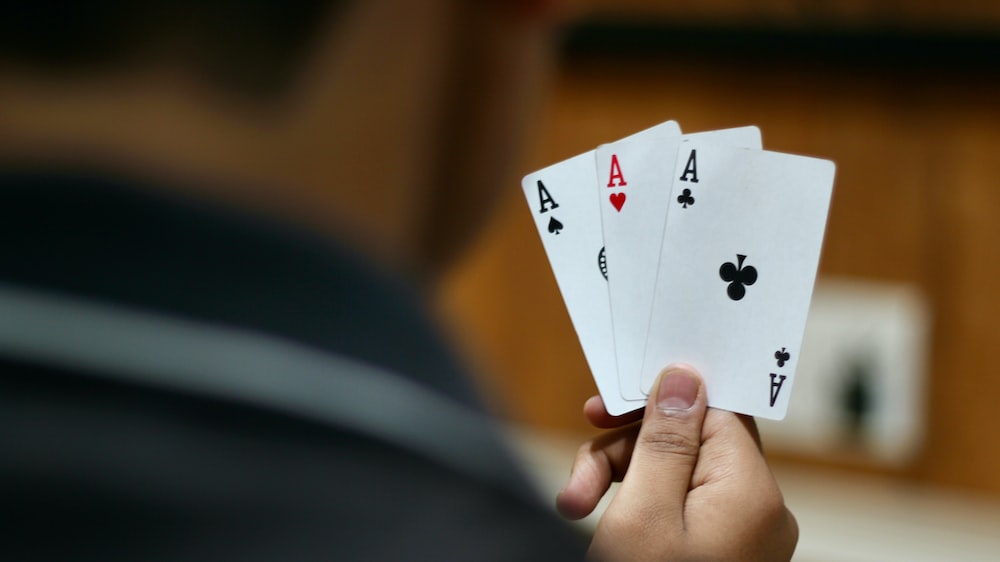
x: 842, y: 518
x: 883, y: 326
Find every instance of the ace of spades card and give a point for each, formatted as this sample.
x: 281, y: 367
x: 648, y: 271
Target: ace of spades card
x: 566, y: 211
x: 736, y: 272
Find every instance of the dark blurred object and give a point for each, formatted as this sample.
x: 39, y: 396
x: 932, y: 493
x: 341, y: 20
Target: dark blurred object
x: 251, y: 46
x: 97, y: 463
x: 858, y: 399
x: 843, y: 47
x: 119, y: 123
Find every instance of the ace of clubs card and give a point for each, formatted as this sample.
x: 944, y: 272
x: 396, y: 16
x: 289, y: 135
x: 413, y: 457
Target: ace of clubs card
x: 736, y: 272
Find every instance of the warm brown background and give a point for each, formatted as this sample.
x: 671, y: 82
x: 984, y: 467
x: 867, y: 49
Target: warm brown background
x: 916, y: 200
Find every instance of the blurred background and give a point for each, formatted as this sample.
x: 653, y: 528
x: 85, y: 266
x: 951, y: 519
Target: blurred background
x: 891, y: 448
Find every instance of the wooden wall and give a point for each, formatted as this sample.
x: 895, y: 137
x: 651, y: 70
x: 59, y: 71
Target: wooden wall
x: 917, y: 200
x: 961, y: 15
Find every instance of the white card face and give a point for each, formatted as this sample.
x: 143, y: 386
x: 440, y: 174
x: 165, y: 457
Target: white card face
x: 736, y: 272
x: 634, y: 180
x: 561, y: 199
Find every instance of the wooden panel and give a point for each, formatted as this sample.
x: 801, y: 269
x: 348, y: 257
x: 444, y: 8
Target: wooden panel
x: 915, y: 201
x: 915, y: 14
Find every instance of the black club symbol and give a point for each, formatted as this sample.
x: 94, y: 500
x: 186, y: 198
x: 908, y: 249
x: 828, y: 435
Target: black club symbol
x: 739, y: 277
x: 685, y: 198
x: 781, y: 355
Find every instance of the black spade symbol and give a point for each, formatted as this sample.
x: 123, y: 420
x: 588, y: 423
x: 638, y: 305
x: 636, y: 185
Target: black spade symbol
x: 554, y: 225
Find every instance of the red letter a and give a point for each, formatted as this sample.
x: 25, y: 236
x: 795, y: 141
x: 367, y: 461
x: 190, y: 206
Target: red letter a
x: 616, y: 172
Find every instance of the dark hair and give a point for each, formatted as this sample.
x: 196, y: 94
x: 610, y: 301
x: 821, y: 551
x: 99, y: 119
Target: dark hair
x: 251, y: 45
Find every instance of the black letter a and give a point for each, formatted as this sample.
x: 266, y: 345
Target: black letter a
x: 776, y: 387
x: 691, y: 168
x: 544, y: 198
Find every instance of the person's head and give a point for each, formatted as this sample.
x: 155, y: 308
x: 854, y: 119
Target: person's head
x: 390, y: 121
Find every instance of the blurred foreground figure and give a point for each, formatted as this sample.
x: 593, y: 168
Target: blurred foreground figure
x: 185, y: 375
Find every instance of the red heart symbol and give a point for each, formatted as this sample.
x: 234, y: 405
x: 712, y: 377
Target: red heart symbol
x: 618, y: 199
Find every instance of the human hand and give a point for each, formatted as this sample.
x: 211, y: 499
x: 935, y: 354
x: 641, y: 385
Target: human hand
x: 695, y: 485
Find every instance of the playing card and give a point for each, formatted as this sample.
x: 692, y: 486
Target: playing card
x: 736, y: 272
x: 562, y: 202
x: 634, y: 177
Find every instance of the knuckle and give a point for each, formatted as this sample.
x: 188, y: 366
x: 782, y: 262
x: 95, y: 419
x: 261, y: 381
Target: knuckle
x: 585, y: 450
x: 777, y: 527
x: 591, y: 463
x: 792, y: 529
x: 585, y: 456
x: 771, y: 507
x: 669, y: 442
x: 784, y: 528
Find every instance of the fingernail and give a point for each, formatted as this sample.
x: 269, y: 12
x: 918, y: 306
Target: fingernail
x: 678, y: 391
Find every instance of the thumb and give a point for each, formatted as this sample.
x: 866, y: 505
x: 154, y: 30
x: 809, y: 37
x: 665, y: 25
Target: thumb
x: 666, y: 449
